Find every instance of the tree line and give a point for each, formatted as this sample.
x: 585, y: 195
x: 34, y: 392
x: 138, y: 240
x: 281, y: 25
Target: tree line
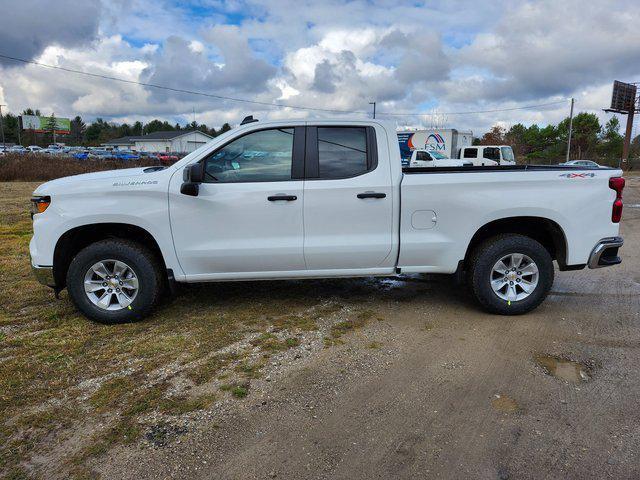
x: 95, y: 133
x: 589, y: 140
x: 532, y: 144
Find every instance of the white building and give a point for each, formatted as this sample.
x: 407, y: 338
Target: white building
x: 179, y: 141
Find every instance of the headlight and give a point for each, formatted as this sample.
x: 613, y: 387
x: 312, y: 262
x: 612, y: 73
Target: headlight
x: 39, y: 204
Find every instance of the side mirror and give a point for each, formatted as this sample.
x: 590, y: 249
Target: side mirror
x: 193, y: 173
x: 192, y: 176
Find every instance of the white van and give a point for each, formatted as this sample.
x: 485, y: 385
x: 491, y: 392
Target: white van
x: 488, y: 155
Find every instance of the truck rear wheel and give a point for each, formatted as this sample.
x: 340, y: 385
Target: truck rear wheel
x: 114, y: 281
x: 510, y: 274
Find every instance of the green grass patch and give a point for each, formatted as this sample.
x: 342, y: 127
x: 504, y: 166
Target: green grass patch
x: 112, y: 393
x: 345, y: 326
x: 239, y: 391
x: 183, y: 404
x: 268, y: 342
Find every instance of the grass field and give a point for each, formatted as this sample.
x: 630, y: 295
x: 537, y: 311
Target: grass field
x: 71, y: 389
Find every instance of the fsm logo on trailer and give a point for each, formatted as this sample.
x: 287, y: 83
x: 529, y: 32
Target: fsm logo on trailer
x: 446, y: 141
x: 427, y: 141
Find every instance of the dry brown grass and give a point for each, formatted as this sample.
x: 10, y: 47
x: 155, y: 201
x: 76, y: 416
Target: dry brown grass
x: 40, y: 167
x: 62, y: 376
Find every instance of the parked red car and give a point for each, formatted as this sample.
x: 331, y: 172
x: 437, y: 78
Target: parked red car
x: 167, y: 158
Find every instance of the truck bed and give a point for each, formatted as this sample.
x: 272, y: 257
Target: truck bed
x: 441, y: 212
x: 502, y: 168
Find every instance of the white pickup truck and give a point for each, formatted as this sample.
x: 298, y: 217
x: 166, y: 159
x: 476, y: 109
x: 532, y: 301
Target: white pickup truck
x: 425, y: 158
x: 318, y: 199
x: 488, y: 155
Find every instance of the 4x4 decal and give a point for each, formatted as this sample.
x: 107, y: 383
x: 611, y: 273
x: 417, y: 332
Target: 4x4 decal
x: 577, y: 175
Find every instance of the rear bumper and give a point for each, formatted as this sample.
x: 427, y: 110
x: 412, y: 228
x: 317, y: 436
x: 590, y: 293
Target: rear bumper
x: 605, y: 253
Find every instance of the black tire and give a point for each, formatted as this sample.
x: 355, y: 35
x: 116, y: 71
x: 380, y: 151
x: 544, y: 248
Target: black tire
x: 488, y: 253
x: 141, y: 260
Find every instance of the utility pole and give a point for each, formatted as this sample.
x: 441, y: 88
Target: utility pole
x: 627, y: 135
x: 195, y: 138
x: 2, y: 128
x: 570, y: 130
x: 374, y: 108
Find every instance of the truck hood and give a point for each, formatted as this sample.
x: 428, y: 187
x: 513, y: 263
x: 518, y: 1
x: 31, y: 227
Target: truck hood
x: 131, y: 174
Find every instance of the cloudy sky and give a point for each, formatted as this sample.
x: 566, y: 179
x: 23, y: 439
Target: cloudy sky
x: 408, y: 56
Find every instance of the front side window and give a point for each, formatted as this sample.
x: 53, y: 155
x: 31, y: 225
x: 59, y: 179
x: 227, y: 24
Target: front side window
x: 263, y: 156
x: 507, y: 154
x: 342, y: 151
x: 470, y: 153
x: 492, y: 153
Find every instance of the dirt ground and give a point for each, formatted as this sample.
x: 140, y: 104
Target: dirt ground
x: 359, y: 379
x: 438, y: 389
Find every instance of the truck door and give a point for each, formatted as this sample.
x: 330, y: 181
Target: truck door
x: 348, y: 204
x: 492, y: 154
x: 247, y: 216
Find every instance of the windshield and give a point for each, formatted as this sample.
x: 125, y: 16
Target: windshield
x: 507, y: 154
x: 438, y: 156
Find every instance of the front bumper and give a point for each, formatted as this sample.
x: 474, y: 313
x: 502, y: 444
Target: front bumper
x: 605, y: 253
x: 44, y: 275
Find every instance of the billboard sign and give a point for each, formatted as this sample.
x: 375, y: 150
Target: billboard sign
x: 41, y: 124
x: 623, y: 97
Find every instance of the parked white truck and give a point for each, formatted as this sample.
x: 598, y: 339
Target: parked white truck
x: 424, y: 158
x: 488, y: 155
x: 318, y: 199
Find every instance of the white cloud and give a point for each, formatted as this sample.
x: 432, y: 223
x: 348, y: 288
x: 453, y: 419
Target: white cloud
x: 406, y: 56
x: 28, y: 27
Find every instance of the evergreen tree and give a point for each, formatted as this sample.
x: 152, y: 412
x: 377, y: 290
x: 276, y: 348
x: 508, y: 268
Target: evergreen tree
x: 50, y: 128
x: 136, y: 130
x: 30, y: 111
x: 11, y: 127
x: 78, y: 130
x: 584, y: 138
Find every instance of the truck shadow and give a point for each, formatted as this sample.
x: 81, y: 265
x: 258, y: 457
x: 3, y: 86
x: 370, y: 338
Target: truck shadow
x: 368, y: 291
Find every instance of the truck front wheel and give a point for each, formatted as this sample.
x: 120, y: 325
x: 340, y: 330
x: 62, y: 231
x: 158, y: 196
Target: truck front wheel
x: 114, y: 281
x: 510, y: 274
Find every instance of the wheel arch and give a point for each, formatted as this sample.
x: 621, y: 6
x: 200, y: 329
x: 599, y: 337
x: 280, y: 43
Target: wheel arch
x: 77, y: 238
x: 544, y: 230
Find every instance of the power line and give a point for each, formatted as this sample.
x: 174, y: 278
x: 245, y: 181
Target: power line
x: 477, y: 111
x: 256, y: 102
x: 177, y: 90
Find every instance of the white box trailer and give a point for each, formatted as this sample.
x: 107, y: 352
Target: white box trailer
x: 447, y: 141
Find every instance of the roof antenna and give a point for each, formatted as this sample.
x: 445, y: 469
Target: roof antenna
x: 248, y: 119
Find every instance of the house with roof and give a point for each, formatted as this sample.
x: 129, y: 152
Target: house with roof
x: 180, y: 141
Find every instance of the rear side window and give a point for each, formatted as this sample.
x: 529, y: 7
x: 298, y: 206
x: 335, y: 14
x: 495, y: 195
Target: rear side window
x: 470, y: 153
x: 342, y: 151
x: 492, y: 153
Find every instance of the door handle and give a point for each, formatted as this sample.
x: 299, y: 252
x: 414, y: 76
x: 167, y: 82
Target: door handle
x: 280, y: 196
x: 372, y: 195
